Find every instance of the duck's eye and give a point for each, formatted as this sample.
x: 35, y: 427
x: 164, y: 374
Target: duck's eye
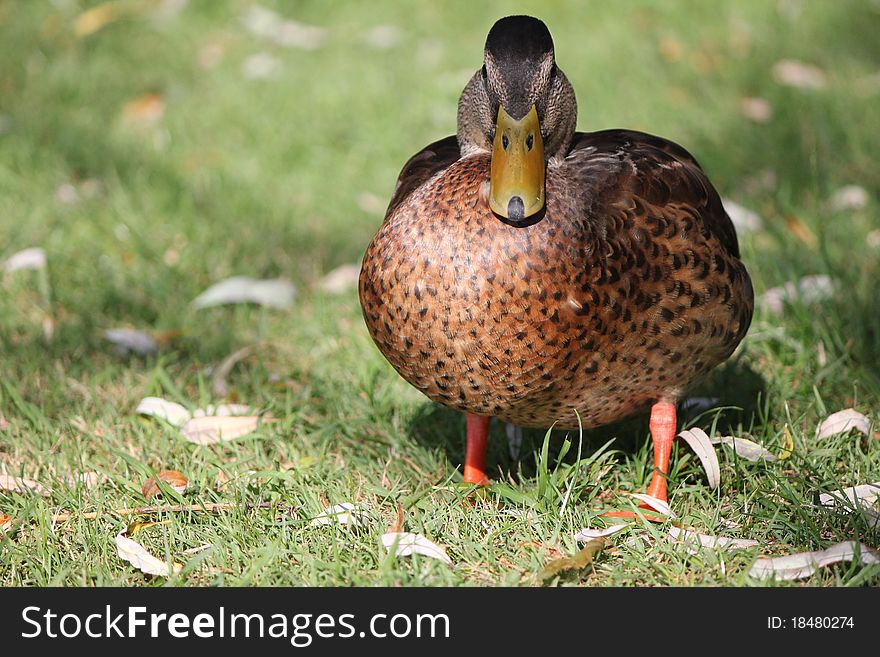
x: 505, y: 142
x: 530, y: 141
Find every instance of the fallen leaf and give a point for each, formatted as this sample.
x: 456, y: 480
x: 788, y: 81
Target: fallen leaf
x: 211, y: 429
x: 88, y: 479
x: 223, y: 410
x: 92, y: 20
x: 707, y: 541
x: 794, y: 73
x: 22, y: 485
x: 340, y: 280
x: 804, y: 564
x: 344, y: 514
x: 137, y: 556
x: 406, y: 543
x: 267, y: 24
x: 801, y: 231
x: 218, y: 379
x: 260, y: 66
x: 578, y: 562
x: 701, y: 445
x: 32, y: 258
x: 588, y: 534
x: 275, y: 293
x: 5, y: 522
x: 851, y: 197
x: 126, y: 340
x: 867, y: 493
x: 177, y: 480
x: 514, y: 440
x: 744, y: 220
x: 163, y: 409
x: 788, y: 443
x: 383, y: 37
x: 747, y: 449
x: 809, y: 289
x: 144, y: 111
x: 758, y: 110
x: 843, y: 421
x: 657, y: 504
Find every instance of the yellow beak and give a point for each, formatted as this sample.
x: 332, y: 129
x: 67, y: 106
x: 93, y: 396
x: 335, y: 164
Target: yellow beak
x: 516, y: 181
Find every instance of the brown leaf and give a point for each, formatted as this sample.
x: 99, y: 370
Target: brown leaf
x: 5, y: 522
x: 144, y: 111
x: 578, y: 562
x: 800, y: 230
x: 22, y: 485
x: 177, y: 481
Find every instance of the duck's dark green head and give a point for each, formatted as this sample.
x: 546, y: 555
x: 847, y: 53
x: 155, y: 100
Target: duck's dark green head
x: 521, y: 108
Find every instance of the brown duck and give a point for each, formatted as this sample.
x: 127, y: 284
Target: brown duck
x: 536, y: 274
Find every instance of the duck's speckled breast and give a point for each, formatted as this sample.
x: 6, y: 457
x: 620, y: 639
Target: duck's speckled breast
x: 529, y: 323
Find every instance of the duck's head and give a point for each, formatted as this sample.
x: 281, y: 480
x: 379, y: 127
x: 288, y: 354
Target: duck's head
x: 521, y: 108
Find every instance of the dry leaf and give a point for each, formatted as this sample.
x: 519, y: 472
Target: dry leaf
x: 588, y: 534
x: 708, y: 541
x: 126, y: 340
x: 747, y: 449
x: 657, y: 504
x: 5, y: 522
x: 578, y: 562
x: 343, y: 514
x: 809, y: 289
x: 383, y: 37
x: 267, y: 24
x: 867, y: 493
x: 788, y: 443
x: 94, y: 19
x: 137, y: 556
x: 275, y: 293
x: 794, y: 73
x: 843, y: 421
x: 340, y: 280
x: 22, y: 485
x: 163, y: 409
x: 223, y: 410
x: 218, y: 380
x: 407, y: 543
x: 212, y: 429
x: 144, y: 111
x: 758, y: 110
x: 88, y: 479
x: 177, y: 481
x: 260, y: 66
x: 702, y: 446
x: 851, y: 197
x: 804, y: 564
x: 801, y: 231
x: 33, y: 258
x: 744, y: 220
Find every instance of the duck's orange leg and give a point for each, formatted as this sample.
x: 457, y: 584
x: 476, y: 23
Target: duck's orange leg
x: 662, y: 425
x: 475, y: 452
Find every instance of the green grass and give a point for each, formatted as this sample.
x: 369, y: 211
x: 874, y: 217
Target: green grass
x: 267, y: 178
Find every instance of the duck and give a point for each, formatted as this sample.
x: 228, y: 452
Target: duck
x: 547, y: 277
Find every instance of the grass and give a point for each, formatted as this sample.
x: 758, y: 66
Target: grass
x: 288, y: 177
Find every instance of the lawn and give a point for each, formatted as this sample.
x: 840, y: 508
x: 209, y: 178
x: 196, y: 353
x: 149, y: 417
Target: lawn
x: 153, y: 149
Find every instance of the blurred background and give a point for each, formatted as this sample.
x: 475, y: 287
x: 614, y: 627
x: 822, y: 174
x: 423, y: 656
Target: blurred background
x: 153, y: 147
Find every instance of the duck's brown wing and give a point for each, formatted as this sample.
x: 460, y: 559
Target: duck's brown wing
x: 656, y: 171
x: 423, y: 166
